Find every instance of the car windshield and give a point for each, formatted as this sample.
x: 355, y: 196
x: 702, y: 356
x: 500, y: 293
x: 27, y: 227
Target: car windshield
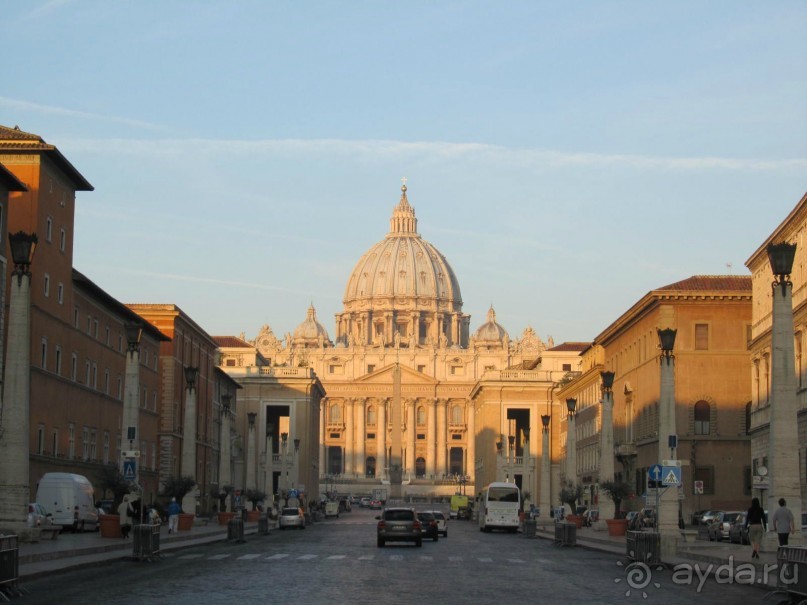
x: 439, y: 516
x: 399, y: 515
x: 290, y: 511
x: 425, y: 516
x: 729, y: 517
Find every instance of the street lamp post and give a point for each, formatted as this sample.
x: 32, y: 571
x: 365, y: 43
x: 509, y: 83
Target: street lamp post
x: 606, y: 505
x: 546, y: 469
x: 571, y: 441
x: 250, y: 483
x: 783, y: 441
x: 225, y: 454
x: 131, y: 408
x: 511, y: 458
x: 268, y: 488
x: 189, y: 437
x: 15, y: 430
x: 667, y: 510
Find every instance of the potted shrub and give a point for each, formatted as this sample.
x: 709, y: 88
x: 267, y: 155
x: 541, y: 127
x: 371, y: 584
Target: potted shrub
x: 254, y: 496
x: 220, y: 493
x: 178, y: 487
x: 112, y: 483
x: 617, y: 491
x: 570, y: 494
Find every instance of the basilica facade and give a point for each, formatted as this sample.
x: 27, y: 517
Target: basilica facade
x: 403, y: 310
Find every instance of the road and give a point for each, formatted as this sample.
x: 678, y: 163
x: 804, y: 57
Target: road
x: 337, y: 561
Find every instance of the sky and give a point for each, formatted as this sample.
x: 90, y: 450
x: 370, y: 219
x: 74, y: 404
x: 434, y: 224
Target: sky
x: 565, y: 157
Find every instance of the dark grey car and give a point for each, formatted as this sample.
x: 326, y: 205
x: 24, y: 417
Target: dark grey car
x: 399, y: 525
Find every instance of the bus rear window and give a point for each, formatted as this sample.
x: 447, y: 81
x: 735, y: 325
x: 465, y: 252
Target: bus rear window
x: 502, y: 494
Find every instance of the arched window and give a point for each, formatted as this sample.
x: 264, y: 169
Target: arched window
x: 336, y: 413
x: 702, y: 418
x: 456, y: 415
x: 371, y: 417
x: 421, y: 416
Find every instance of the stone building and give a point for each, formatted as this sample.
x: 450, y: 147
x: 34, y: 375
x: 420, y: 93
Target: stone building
x: 402, y: 308
x: 793, y: 229
x: 712, y: 316
x: 78, y: 342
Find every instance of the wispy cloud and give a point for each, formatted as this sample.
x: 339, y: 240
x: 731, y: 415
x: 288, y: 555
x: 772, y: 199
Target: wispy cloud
x: 20, y: 105
x: 435, y: 150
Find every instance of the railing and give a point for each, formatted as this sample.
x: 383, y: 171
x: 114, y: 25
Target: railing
x: 565, y: 534
x: 9, y: 567
x: 643, y: 547
x: 792, y: 574
x: 146, y: 541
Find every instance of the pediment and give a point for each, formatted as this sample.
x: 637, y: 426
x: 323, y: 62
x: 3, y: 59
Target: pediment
x: 408, y: 377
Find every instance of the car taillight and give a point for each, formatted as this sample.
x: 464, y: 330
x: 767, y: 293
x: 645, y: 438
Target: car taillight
x: 417, y: 525
x: 381, y: 525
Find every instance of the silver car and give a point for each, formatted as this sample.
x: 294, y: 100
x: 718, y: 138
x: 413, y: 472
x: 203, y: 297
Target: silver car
x: 719, y: 528
x: 291, y: 516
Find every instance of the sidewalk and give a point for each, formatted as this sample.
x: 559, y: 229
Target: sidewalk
x: 699, y: 552
x: 70, y: 551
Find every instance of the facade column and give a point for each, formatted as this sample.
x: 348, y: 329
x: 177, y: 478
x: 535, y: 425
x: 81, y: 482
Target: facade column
x: 545, y: 496
x: 15, y: 441
x: 470, y: 440
x: 189, y: 438
x: 361, y: 437
x: 441, y: 438
x: 381, y: 439
x: 349, y: 446
x: 225, y: 457
x: 431, y: 440
x: 571, y: 442
x: 411, y: 431
x: 324, y: 469
x: 250, y: 482
x: 783, y: 436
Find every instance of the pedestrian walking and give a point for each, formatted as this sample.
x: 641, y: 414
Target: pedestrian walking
x: 173, y: 516
x: 783, y: 523
x: 755, y: 523
x: 125, y: 512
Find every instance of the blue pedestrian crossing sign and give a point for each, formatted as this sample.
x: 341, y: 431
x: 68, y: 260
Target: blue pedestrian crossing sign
x: 671, y: 475
x: 130, y: 469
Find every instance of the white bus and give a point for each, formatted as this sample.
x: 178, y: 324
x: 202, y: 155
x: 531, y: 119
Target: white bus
x: 499, y: 505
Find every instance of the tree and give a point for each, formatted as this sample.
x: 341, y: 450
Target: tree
x: 110, y: 479
x: 570, y: 494
x: 617, y: 491
x: 178, y: 487
x: 255, y: 496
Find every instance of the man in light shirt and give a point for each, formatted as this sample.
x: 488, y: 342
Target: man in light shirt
x: 783, y: 523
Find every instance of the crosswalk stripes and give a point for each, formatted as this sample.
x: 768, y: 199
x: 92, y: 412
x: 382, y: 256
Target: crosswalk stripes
x: 249, y: 556
x: 366, y: 557
x: 218, y: 557
x: 455, y: 558
x: 302, y: 557
x: 276, y: 557
x: 485, y: 560
x: 515, y: 560
x: 426, y: 558
x: 192, y: 556
x: 339, y: 557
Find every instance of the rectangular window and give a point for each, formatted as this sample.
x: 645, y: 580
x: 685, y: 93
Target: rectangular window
x: 75, y: 318
x: 49, y: 229
x: 707, y: 475
x: 94, y: 376
x: 421, y: 436
x: 54, y: 442
x: 93, y: 445
x: 421, y: 369
x: 567, y: 367
x: 95, y: 328
x: 40, y: 439
x: 73, y: 367
x: 120, y: 343
x: 44, y: 359
x: 85, y: 443
x: 87, y: 369
x: 62, y: 239
x: 335, y: 435
x: 89, y: 325
x: 58, y: 361
x: 106, y: 447
x: 47, y: 285
x: 154, y: 401
x: 120, y: 388
x: 230, y: 363
x: 107, y: 336
x: 106, y: 382
x: 701, y: 337
x: 60, y: 293
x: 71, y: 441
x: 371, y: 435
x: 370, y: 368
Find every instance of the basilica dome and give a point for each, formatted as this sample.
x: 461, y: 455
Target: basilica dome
x: 407, y: 277
x: 491, y: 331
x: 310, y: 333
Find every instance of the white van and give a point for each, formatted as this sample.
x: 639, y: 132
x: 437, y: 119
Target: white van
x: 70, y: 499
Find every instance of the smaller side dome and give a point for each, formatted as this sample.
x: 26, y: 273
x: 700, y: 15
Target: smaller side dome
x: 491, y: 331
x: 311, y: 333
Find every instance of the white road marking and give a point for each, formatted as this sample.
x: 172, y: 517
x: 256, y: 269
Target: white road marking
x: 300, y: 558
x: 193, y: 556
x: 218, y: 557
x: 249, y: 556
x: 337, y: 557
x: 276, y: 557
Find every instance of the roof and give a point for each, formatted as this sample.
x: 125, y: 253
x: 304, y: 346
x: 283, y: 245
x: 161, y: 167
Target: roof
x: 82, y: 282
x: 16, y: 141
x: 232, y: 342
x: 703, y: 283
x: 571, y: 346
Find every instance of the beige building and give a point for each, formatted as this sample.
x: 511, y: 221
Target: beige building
x: 793, y: 229
x: 712, y: 316
x: 403, y: 306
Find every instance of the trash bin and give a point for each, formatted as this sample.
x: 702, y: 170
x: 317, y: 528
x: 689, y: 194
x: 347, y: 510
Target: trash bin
x: 145, y: 541
x: 529, y: 528
x: 235, y: 529
x: 9, y: 565
x: 263, y: 525
x: 566, y: 534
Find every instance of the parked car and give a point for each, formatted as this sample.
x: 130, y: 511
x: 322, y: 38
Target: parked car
x: 37, y: 516
x: 291, y: 516
x: 398, y: 525
x: 708, y: 516
x: 591, y: 516
x: 69, y: 499
x: 719, y: 528
x: 697, y: 517
x: 442, y: 522
x: 428, y: 525
x: 365, y: 502
x: 375, y: 505
x: 738, y: 532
